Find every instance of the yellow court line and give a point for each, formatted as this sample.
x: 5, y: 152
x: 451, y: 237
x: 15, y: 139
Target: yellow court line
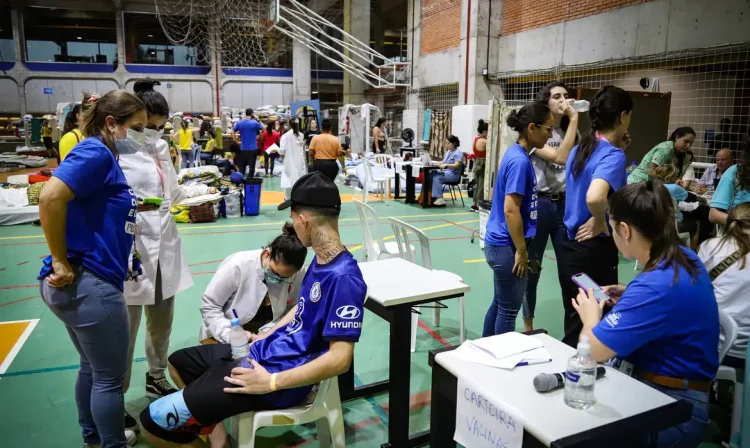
x: 475, y: 260
x: 260, y: 224
x: 439, y: 226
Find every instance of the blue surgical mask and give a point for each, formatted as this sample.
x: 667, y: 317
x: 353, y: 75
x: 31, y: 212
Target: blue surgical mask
x: 272, y: 278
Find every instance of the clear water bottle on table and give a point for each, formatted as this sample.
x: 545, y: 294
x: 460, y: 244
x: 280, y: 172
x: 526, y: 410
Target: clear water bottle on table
x: 580, y: 377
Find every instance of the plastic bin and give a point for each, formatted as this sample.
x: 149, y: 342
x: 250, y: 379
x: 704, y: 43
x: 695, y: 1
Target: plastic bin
x: 252, y: 196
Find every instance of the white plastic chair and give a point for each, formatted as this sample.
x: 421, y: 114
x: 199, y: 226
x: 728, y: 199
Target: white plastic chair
x: 374, y: 246
x: 729, y: 328
x: 402, y: 230
x: 383, y: 188
x: 325, y: 411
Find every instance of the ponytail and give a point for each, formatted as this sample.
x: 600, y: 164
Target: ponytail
x: 649, y: 208
x: 609, y: 104
x: 294, y: 126
x: 269, y: 127
x: 737, y: 229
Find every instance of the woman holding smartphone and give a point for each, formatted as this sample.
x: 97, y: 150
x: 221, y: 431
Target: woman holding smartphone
x: 595, y: 169
x: 512, y: 220
x: 664, y: 326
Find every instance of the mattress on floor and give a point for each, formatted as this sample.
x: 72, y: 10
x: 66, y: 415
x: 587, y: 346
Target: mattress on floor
x: 10, y: 216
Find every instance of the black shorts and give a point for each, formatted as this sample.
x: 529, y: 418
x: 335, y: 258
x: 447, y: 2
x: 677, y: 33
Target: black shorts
x: 182, y: 416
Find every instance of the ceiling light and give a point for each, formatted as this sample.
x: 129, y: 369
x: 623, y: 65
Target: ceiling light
x: 79, y: 38
x: 150, y: 35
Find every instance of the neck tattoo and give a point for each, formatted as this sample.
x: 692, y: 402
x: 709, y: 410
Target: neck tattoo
x: 326, y: 247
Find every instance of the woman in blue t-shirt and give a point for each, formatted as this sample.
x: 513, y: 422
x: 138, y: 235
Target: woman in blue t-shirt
x: 595, y: 169
x: 664, y: 327
x: 733, y: 188
x: 87, y: 212
x: 512, y: 220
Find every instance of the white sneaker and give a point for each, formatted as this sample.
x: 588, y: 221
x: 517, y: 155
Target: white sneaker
x: 132, y: 438
x: 439, y: 201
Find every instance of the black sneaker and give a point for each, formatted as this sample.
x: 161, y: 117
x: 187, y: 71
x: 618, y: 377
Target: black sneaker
x: 131, y: 423
x: 158, y: 387
x: 474, y: 208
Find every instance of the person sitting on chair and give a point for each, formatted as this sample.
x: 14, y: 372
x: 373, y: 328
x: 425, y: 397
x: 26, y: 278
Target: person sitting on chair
x: 260, y: 285
x: 450, y: 169
x: 313, y: 342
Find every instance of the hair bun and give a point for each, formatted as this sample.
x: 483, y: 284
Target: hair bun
x: 288, y: 230
x: 481, y: 122
x: 145, y: 85
x: 512, y: 119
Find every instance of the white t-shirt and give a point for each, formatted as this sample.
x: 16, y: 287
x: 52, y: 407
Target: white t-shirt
x: 550, y: 177
x: 732, y: 289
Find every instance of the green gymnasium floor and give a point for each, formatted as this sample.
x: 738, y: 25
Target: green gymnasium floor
x: 37, y: 407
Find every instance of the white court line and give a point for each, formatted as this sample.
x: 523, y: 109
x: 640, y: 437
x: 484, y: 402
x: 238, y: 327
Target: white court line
x: 19, y: 343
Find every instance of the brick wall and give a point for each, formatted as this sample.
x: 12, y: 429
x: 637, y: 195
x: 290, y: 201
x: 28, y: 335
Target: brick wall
x: 441, y: 25
x: 521, y: 15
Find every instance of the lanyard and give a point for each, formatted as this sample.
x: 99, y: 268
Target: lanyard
x: 159, y: 171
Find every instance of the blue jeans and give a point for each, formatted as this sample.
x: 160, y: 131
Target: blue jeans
x: 501, y: 317
x: 95, y: 315
x: 689, y: 434
x: 439, y: 178
x: 549, y: 224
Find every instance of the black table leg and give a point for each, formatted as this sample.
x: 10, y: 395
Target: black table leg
x: 397, y: 180
x: 426, y: 189
x: 410, y: 185
x: 442, y: 408
x: 399, y: 375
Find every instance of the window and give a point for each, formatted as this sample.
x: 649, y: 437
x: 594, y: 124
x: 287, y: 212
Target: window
x: 7, y: 49
x: 79, y: 36
x: 146, y: 43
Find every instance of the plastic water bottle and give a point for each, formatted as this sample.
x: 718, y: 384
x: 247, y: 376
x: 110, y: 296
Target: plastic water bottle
x: 631, y: 167
x: 238, y: 340
x: 580, y: 377
x: 581, y: 106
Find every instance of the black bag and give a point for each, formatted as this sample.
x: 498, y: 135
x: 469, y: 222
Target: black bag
x: 471, y: 188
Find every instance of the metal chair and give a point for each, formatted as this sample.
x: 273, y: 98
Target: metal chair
x: 456, y: 185
x: 402, y: 231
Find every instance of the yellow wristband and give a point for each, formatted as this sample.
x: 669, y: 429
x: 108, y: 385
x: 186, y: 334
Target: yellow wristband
x: 273, y: 382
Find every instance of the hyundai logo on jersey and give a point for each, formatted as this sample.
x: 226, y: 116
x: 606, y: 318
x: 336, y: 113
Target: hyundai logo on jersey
x: 348, y: 312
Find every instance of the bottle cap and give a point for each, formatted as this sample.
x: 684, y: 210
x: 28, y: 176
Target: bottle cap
x: 235, y: 322
x: 584, y: 346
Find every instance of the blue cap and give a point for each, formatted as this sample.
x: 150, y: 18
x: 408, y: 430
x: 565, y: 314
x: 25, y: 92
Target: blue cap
x: 236, y: 178
x: 235, y: 322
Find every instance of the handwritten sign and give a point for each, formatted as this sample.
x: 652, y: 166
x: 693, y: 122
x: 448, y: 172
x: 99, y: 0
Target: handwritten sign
x: 482, y: 421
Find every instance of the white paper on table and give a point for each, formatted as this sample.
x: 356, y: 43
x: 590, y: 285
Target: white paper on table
x: 468, y: 352
x: 482, y: 421
x: 507, y: 344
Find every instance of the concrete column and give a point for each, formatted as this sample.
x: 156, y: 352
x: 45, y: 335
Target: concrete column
x: 19, y: 41
x: 120, y: 30
x: 356, y: 23
x: 302, y: 68
x: 484, y: 18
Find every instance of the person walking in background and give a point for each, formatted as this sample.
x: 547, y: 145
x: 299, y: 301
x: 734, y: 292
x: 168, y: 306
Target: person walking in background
x: 480, y: 155
x: 513, y: 217
x: 324, y: 150
x: 248, y: 129
x: 150, y: 175
x: 87, y: 211
x: 270, y: 137
x: 379, y: 144
x: 294, y: 157
x: 595, y: 170
x: 549, y: 168
x: 71, y: 134
x: 185, y: 142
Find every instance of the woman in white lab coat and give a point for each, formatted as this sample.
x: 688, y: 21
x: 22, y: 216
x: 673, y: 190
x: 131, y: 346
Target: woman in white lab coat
x: 260, y: 285
x: 150, y: 174
x: 292, y: 149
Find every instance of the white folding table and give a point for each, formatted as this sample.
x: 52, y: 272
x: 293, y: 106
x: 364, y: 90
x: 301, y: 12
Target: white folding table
x: 394, y: 286
x: 625, y: 408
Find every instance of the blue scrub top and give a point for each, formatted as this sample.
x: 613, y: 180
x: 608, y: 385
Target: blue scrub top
x: 607, y: 162
x: 727, y: 195
x: 665, y: 326
x: 515, y: 176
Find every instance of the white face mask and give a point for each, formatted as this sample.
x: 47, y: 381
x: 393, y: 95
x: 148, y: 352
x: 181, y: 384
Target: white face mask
x: 132, y: 142
x: 151, y: 137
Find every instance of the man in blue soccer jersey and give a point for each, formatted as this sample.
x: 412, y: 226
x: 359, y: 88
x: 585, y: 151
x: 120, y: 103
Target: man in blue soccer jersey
x: 314, y: 341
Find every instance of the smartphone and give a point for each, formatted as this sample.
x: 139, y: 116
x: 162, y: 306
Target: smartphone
x: 585, y: 282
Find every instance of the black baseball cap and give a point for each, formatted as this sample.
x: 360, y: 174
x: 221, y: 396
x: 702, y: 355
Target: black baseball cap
x: 314, y: 190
